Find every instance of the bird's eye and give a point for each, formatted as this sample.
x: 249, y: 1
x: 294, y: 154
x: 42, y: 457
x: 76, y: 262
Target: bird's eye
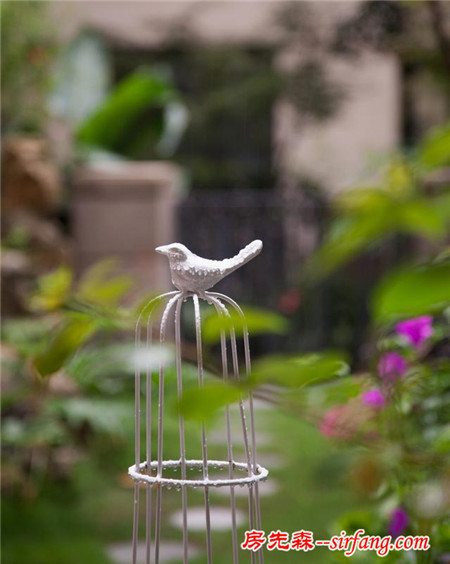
x: 176, y: 252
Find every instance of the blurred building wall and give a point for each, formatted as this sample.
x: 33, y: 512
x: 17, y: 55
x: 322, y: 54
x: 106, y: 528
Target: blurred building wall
x: 335, y: 153
x: 344, y: 150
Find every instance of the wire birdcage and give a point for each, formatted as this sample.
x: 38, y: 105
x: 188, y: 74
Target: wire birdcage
x: 158, y: 474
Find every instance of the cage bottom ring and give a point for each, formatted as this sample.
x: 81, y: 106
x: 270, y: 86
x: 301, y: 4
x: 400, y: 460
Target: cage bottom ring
x: 139, y: 475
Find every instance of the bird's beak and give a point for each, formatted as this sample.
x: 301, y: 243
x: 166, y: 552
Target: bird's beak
x: 163, y: 250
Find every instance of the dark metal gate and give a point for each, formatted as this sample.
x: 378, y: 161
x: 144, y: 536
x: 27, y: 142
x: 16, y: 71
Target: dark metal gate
x: 218, y: 224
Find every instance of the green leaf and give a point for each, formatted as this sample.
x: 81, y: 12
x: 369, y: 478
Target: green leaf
x: 202, y: 404
x: 143, y: 307
x: 114, y: 126
x: 53, y: 290
x: 441, y: 204
x: 100, y: 286
x: 359, y: 201
x: 421, y: 217
x: 434, y: 151
x: 367, y: 520
x: 38, y: 431
x: 27, y: 335
x: 103, y: 415
x: 341, y: 390
x: 441, y: 442
x: 349, y: 237
x: 257, y: 321
x: 13, y: 432
x: 298, y: 371
x: 411, y: 292
x: 64, y: 344
x: 315, y: 399
x: 399, y: 179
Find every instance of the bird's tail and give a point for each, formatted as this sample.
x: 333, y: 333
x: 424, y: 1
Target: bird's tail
x: 246, y: 254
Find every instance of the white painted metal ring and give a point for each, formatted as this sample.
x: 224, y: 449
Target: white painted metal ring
x: 140, y: 476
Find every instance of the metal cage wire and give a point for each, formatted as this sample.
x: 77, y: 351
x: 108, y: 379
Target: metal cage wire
x: 151, y: 472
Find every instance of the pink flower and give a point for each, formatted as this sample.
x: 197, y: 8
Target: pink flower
x: 374, y: 398
x: 391, y: 366
x: 346, y: 421
x: 339, y: 423
x: 398, y: 522
x: 416, y: 330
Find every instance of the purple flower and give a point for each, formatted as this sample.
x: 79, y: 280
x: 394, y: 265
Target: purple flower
x: 398, y: 522
x: 416, y: 330
x: 392, y: 365
x: 374, y: 398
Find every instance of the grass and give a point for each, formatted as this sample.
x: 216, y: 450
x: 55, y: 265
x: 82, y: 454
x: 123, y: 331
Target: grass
x: 47, y: 532
x: 74, y: 524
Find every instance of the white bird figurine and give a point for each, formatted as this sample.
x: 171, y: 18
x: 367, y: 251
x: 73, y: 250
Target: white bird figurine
x: 191, y: 273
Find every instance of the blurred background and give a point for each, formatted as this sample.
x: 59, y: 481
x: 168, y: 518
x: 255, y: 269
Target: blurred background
x: 127, y: 125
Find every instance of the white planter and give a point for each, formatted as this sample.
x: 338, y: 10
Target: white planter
x: 125, y: 210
